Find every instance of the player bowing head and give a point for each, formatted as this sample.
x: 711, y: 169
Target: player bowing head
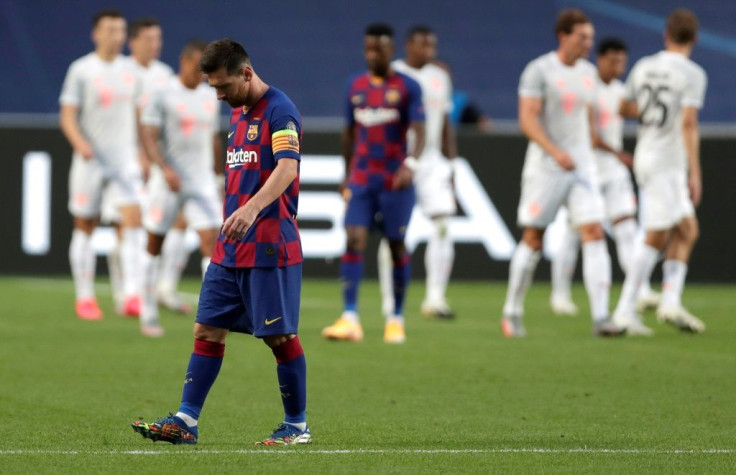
x: 575, y: 33
x: 229, y: 70
x: 108, y: 32
x: 378, y: 48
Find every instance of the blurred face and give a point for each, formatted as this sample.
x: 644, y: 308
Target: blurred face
x: 147, y: 45
x: 231, y: 88
x: 378, y: 51
x: 189, y: 69
x: 109, y: 35
x: 421, y: 48
x: 612, y: 64
x: 578, y: 42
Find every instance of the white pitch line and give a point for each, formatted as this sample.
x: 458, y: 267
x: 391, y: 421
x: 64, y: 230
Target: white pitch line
x: 376, y: 451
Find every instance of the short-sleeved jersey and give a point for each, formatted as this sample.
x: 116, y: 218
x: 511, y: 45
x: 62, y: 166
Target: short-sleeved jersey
x: 380, y: 112
x: 188, y: 119
x: 106, y: 93
x: 153, y: 76
x: 258, y: 138
x: 662, y: 85
x: 609, y: 124
x: 566, y: 93
x: 436, y: 98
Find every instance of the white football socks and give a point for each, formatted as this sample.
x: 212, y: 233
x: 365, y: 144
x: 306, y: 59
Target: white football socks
x: 624, y: 234
x: 174, y: 257
x: 188, y: 420
x: 597, y: 277
x: 131, y: 251
x: 673, y: 281
x: 149, y: 309
x: 521, y: 270
x: 563, y: 265
x: 644, y: 260
x: 439, y: 257
x: 386, y: 277
x: 116, y: 275
x: 82, y: 261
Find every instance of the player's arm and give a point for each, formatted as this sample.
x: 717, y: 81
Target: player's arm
x: 219, y: 165
x: 449, y: 141
x: 530, y: 109
x: 628, y: 109
x: 598, y: 142
x: 150, y: 135
x: 243, y: 218
x: 691, y: 137
x: 70, y: 128
x: 404, y: 176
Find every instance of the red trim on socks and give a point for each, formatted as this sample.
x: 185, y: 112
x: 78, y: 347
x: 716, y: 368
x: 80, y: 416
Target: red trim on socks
x: 288, y: 351
x: 209, y: 348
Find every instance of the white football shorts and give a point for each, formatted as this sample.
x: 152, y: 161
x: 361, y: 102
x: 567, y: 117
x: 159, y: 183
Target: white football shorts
x: 433, y: 185
x: 665, y: 199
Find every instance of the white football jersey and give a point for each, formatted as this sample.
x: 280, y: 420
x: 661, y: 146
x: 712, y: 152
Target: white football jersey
x: 609, y: 125
x: 662, y: 85
x: 436, y: 98
x: 188, y: 119
x: 106, y: 93
x: 566, y: 93
x: 153, y: 76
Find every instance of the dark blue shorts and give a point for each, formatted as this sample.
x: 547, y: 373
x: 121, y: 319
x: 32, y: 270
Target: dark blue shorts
x: 394, y: 206
x: 258, y: 301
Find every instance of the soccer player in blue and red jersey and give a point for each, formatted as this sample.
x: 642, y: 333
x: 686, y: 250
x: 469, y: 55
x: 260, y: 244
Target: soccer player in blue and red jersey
x: 382, y: 105
x: 253, y: 283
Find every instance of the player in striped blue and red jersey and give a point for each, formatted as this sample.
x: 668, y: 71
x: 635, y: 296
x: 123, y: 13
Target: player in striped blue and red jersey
x: 253, y: 283
x: 382, y: 106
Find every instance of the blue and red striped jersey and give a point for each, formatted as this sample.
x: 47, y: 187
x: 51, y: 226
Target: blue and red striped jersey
x: 258, y: 138
x: 380, y: 111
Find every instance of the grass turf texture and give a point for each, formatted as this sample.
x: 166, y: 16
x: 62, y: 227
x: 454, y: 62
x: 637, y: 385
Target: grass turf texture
x: 457, y: 397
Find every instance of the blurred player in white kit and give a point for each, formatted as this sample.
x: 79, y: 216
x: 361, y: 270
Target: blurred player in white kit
x: 615, y: 182
x: 433, y: 176
x: 98, y: 118
x: 145, y: 43
x: 665, y: 91
x: 556, y: 93
x: 183, y: 113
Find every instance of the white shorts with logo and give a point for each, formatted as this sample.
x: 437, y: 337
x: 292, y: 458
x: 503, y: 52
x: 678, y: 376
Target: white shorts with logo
x: 618, y: 194
x: 545, y: 190
x: 201, y: 205
x: 433, y: 184
x: 89, y: 179
x: 665, y: 199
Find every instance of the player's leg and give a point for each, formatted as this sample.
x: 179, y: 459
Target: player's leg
x: 85, y: 190
x: 203, y: 212
x: 385, y: 278
x: 396, y: 208
x: 221, y: 308
x: 276, y: 320
x: 563, y: 265
x: 359, y: 216
x: 111, y: 216
x: 174, y: 258
x: 542, y: 195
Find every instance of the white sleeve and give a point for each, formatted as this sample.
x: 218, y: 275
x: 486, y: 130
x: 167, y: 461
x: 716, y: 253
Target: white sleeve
x: 73, y: 89
x: 630, y: 86
x: 531, y: 83
x: 694, y: 93
x: 152, y: 111
x: 448, y: 104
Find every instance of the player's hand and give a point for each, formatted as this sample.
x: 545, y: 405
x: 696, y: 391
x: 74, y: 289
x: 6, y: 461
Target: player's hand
x: 345, y: 191
x: 238, y: 223
x: 564, y: 160
x: 403, y: 178
x: 695, y: 184
x: 172, y: 179
x: 85, y: 150
x: 626, y: 158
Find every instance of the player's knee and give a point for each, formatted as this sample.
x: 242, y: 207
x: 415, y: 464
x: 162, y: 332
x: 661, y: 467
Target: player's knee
x: 398, y: 250
x: 441, y: 226
x: 591, y: 232
x: 689, y: 231
x: 154, y: 244
x: 356, y: 243
x: 274, y: 341
x: 533, y: 238
x: 86, y: 225
x: 208, y: 333
x: 657, y: 239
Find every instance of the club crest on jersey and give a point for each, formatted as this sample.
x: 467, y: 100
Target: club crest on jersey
x: 357, y: 99
x: 393, y: 96
x: 252, y: 133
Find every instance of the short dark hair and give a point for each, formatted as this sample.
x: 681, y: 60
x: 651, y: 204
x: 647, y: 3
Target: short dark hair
x: 682, y: 26
x: 568, y: 18
x: 192, y: 46
x: 225, y: 53
x: 418, y: 30
x: 136, y: 26
x: 106, y: 13
x: 611, y: 44
x: 379, y: 29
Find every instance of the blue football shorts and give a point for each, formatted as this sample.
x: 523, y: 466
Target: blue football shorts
x: 394, y: 206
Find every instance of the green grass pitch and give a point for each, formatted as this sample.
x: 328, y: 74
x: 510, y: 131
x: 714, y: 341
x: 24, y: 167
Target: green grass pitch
x: 457, y: 397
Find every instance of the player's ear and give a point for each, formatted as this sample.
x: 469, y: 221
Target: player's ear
x: 247, y: 72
